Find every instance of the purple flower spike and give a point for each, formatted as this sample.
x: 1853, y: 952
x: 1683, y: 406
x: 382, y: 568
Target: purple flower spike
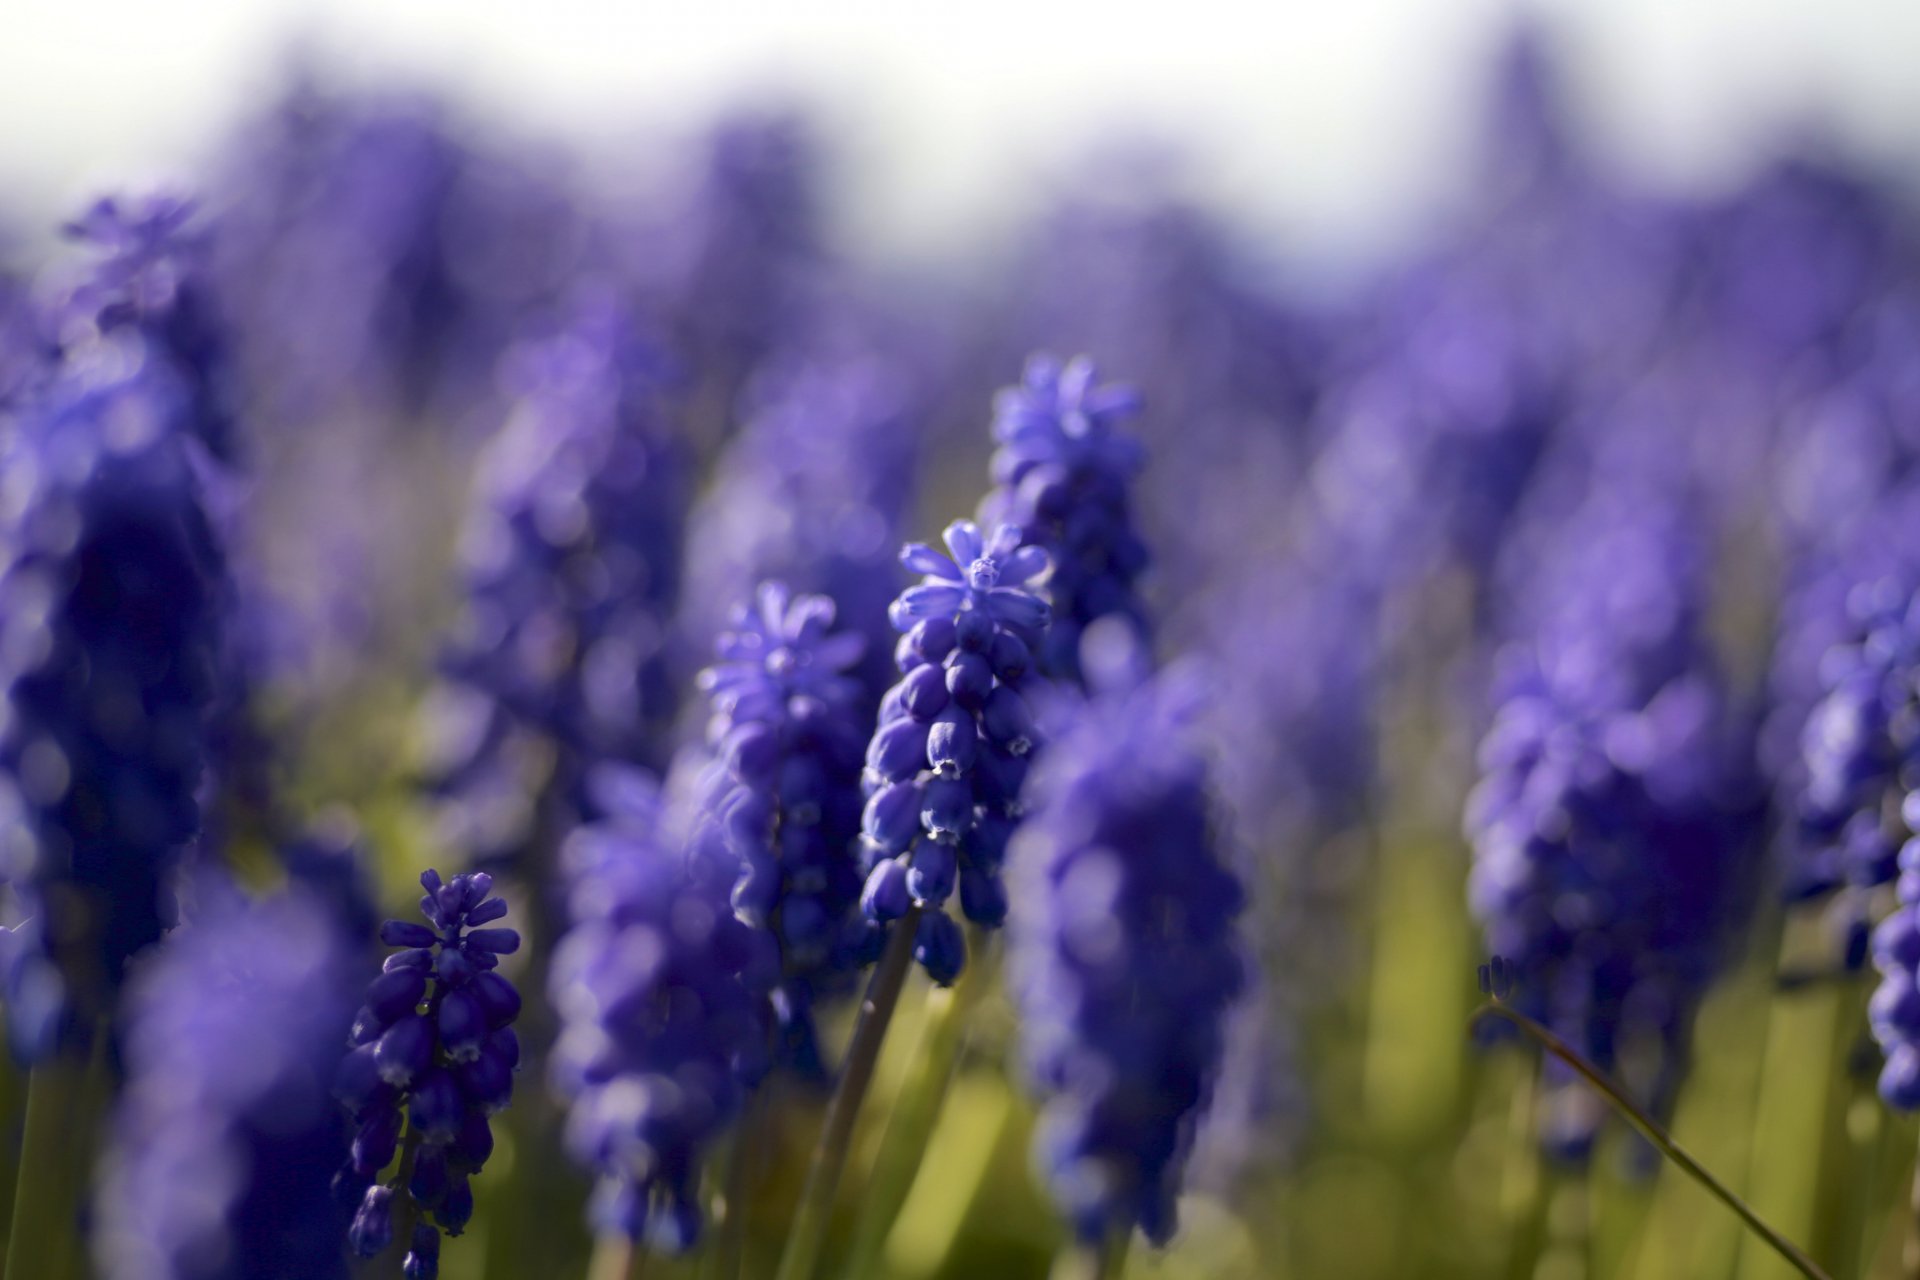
x: 1122, y: 955
x: 221, y: 1159
x: 446, y: 1057
x: 653, y: 929
x: 949, y: 753
x: 1065, y: 474
x: 789, y: 809
x: 571, y: 556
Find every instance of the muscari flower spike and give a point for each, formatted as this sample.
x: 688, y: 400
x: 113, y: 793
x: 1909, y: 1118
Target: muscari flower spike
x: 1860, y: 752
x: 113, y: 595
x: 782, y: 796
x: 664, y: 1000
x: 954, y: 739
x: 432, y: 1056
x: 1858, y: 813
x: 1122, y: 955
x: 225, y: 1141
x: 572, y: 558
x: 1065, y: 473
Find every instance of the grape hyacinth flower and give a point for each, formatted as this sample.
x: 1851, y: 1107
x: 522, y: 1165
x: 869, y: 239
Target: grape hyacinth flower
x: 1122, y: 956
x: 226, y: 1142
x: 1064, y: 472
x: 1608, y: 856
x: 112, y: 595
x: 572, y: 558
x: 955, y: 738
x: 663, y: 996
x: 814, y: 492
x: 148, y: 277
x: 1859, y: 750
x: 784, y: 796
x: 433, y: 1055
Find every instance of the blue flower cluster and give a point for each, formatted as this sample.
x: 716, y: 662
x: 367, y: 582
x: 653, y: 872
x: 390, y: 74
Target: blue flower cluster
x: 1065, y: 472
x: 113, y: 593
x: 572, y: 558
x: 664, y: 999
x: 1607, y: 866
x: 955, y: 738
x: 148, y: 277
x: 225, y: 1141
x: 1122, y: 953
x: 1616, y: 828
x: 814, y: 492
x: 784, y: 799
x: 433, y: 1055
x: 1859, y: 751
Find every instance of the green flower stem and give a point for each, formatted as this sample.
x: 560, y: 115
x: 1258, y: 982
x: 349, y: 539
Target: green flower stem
x: 809, y: 1229
x: 405, y: 1212
x: 910, y: 1126
x: 56, y: 1159
x: 41, y: 1240
x: 1649, y: 1129
x: 730, y: 1244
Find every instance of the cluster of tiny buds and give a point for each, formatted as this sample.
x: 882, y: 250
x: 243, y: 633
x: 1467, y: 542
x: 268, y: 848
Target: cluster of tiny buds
x: 955, y: 738
x: 434, y: 1037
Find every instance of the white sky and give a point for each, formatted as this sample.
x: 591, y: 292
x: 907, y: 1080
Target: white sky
x: 1329, y: 118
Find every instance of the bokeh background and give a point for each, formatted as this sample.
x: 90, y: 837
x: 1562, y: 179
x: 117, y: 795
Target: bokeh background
x: 1206, y: 195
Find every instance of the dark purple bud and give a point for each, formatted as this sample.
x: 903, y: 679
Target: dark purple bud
x: 478, y: 885
x: 506, y: 1044
x: 375, y: 1141
x: 952, y: 743
x: 423, y: 1259
x: 930, y: 878
x: 406, y: 933
x: 983, y: 898
x: 969, y: 678
x: 1010, y: 657
x: 405, y: 1049
x: 430, y: 881
x: 753, y: 752
x: 939, y: 948
x: 357, y: 1083
x: 885, y: 896
x: 391, y: 995
x: 372, y: 1229
x: 463, y: 1024
x: 1006, y: 719
x: 905, y: 655
x: 933, y: 638
x: 973, y: 630
x: 924, y: 693
x: 474, y: 1143
x: 497, y: 997
x: 986, y: 845
x: 1894, y: 1009
x: 456, y: 1210
x: 757, y: 891
x: 498, y: 942
x: 453, y: 966
x: 420, y: 958
x: 946, y: 808
x: 436, y: 1108
x: 891, y: 820
x: 898, y: 750
x: 487, y: 1081
x: 429, y: 1181
x: 366, y: 1028
x: 490, y: 910
x: 1896, y: 942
